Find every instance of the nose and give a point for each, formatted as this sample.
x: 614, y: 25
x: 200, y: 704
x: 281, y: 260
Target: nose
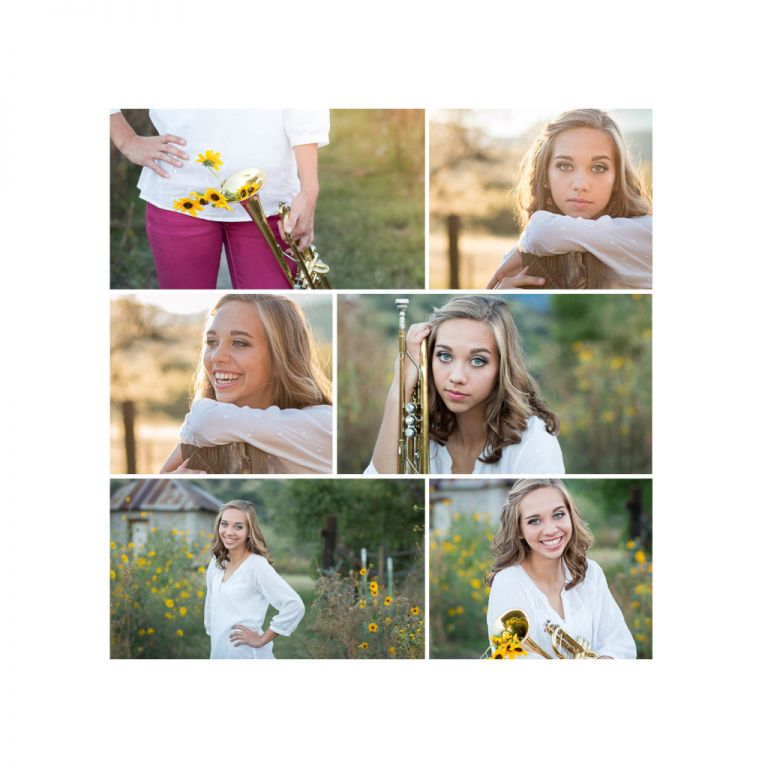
x: 579, y: 181
x: 457, y: 374
x: 218, y: 353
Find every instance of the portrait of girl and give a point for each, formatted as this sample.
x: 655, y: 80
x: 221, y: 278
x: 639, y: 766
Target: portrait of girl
x: 241, y: 584
x: 486, y: 414
x: 579, y: 190
x: 186, y: 240
x: 259, y: 382
x: 541, y: 568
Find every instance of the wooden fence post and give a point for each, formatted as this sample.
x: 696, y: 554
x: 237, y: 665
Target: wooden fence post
x: 453, y: 250
x: 129, y: 418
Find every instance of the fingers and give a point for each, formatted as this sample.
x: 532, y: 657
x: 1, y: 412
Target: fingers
x: 158, y: 170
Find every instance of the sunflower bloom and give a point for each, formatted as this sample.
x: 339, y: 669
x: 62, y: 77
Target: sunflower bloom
x: 373, y: 627
x: 363, y: 645
x: 169, y: 603
x: 387, y: 601
x: 363, y: 571
x: 415, y: 610
x: 215, y: 198
x: 392, y: 650
x: 211, y: 159
x: 374, y: 587
x: 361, y: 604
x: 190, y: 205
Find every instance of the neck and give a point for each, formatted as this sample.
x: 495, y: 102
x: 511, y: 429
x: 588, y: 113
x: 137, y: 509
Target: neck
x: 236, y: 556
x: 543, y: 569
x: 470, y: 428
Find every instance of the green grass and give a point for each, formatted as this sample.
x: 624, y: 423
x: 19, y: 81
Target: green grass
x: 369, y: 222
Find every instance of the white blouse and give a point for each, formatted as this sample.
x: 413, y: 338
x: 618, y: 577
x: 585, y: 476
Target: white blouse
x: 624, y: 246
x: 298, y: 440
x: 590, y: 611
x: 244, y: 138
x: 538, y: 452
x: 244, y: 599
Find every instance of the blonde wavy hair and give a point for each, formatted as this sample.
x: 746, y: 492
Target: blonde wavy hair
x: 255, y: 541
x: 299, y: 380
x: 509, y: 546
x: 515, y: 397
x: 629, y: 197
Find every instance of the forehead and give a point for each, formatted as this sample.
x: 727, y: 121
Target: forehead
x: 236, y: 315
x: 465, y: 334
x: 583, y: 143
x: 234, y: 516
x: 540, y: 501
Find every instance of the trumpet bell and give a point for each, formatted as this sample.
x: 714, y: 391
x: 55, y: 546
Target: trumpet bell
x: 249, y: 180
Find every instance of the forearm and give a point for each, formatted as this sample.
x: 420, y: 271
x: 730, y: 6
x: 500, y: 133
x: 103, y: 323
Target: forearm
x: 267, y: 637
x: 306, y: 164
x: 120, y: 131
x: 385, y: 451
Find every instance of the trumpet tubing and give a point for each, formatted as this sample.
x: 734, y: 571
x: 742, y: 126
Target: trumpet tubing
x: 413, y: 436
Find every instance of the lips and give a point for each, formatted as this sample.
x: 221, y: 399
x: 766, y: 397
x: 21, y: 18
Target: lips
x: 225, y: 379
x: 552, y: 544
x: 455, y: 396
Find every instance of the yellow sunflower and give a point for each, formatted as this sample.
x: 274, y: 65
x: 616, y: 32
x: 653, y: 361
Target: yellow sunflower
x: 363, y: 571
x: 364, y: 646
x: 216, y: 198
x: 374, y: 587
x: 211, y: 159
x: 387, y: 601
x: 373, y: 627
x: 189, y: 205
x: 415, y: 610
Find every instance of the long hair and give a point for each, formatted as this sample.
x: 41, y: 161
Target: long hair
x: 299, y: 381
x: 514, y: 399
x: 509, y: 547
x: 255, y: 541
x: 629, y: 197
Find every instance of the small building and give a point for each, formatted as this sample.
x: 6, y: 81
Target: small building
x: 466, y: 497
x: 164, y: 503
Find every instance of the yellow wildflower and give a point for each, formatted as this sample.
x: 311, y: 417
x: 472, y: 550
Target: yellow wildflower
x: 112, y: 574
x: 363, y: 645
x: 374, y: 587
x: 415, y: 611
x: 150, y: 630
x: 387, y: 601
x: 190, y: 205
x: 361, y: 604
x: 183, y: 610
x: 112, y: 545
x: 630, y: 544
x: 391, y: 650
x: 363, y: 571
x: 373, y: 627
x: 169, y: 603
x: 154, y: 590
x: 180, y: 632
x: 475, y: 583
x: 124, y: 558
x: 168, y: 615
x: 142, y: 632
x: 199, y: 594
x: 210, y: 159
x: 640, y: 556
x: 216, y: 198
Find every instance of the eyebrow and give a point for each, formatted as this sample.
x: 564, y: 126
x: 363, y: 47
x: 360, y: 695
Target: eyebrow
x: 471, y: 351
x: 596, y: 157
x: 231, y: 333
x: 558, y: 508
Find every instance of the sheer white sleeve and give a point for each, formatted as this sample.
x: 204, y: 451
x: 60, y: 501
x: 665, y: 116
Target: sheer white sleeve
x: 208, y: 587
x: 308, y: 126
x: 279, y: 594
x: 302, y: 436
x: 612, y: 636
x: 540, y: 452
x: 623, y: 245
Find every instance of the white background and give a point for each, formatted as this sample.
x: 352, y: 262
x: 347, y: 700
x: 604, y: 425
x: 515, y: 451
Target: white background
x: 700, y: 67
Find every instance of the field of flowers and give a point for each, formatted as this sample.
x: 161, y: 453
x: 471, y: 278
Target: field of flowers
x: 157, y: 597
x: 459, y: 560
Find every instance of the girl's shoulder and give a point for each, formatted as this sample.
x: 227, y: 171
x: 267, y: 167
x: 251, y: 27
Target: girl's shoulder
x: 512, y: 574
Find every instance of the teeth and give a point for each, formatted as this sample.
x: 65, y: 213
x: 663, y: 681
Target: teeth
x: 221, y: 376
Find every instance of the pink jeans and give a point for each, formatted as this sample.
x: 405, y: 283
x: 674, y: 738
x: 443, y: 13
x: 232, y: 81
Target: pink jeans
x: 187, y: 251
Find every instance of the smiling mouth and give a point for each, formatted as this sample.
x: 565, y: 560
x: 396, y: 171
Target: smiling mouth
x: 552, y: 543
x: 224, y: 378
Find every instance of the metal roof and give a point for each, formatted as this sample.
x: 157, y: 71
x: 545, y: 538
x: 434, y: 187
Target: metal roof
x: 162, y: 494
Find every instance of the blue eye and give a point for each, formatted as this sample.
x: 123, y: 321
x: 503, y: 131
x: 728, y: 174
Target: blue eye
x: 599, y: 168
x: 564, y: 166
x: 443, y: 357
x: 533, y: 521
x: 478, y: 362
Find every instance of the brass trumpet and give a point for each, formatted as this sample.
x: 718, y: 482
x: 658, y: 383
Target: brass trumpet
x: 413, y: 438
x: 312, y: 271
x: 564, y: 646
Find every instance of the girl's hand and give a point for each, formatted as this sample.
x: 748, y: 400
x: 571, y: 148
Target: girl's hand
x: 521, y: 280
x: 416, y: 334
x: 147, y: 150
x: 183, y: 469
x: 511, y: 266
x: 241, y: 635
x: 301, y: 220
